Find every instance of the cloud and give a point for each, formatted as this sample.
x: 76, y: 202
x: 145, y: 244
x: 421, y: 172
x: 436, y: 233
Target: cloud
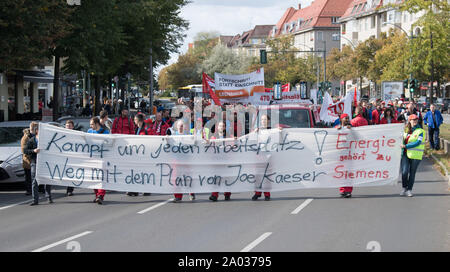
x: 231, y: 17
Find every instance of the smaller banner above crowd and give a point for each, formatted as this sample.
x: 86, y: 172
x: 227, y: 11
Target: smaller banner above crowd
x: 239, y: 88
x: 334, y: 110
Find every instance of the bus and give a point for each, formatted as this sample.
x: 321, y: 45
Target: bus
x: 191, y: 91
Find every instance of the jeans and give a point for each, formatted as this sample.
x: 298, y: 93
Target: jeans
x: 28, y: 180
x: 433, y: 133
x: 409, y: 169
x: 35, y: 186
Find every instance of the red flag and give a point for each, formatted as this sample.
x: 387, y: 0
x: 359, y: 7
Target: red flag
x: 207, y: 82
x: 355, y: 97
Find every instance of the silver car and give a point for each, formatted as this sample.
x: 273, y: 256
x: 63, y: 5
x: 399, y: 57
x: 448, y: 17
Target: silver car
x: 11, y: 169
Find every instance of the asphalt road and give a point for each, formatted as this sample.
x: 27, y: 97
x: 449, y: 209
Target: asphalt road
x: 375, y: 219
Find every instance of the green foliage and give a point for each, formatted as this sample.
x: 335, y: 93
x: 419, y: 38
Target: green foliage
x: 224, y: 60
x: 29, y: 29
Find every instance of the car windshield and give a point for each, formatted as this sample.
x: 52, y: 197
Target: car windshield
x: 293, y: 118
x: 11, y: 136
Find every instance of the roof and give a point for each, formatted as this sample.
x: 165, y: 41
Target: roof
x: 35, y: 76
x: 260, y: 31
x: 359, y: 7
x: 318, y: 14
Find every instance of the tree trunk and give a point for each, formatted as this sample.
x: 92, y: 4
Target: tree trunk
x: 97, y: 96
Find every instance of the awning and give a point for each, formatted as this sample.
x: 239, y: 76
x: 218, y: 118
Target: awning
x: 35, y: 76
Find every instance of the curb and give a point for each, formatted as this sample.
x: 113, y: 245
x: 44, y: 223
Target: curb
x: 443, y: 167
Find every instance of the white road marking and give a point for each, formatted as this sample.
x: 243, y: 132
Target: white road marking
x: 20, y: 203
x: 302, y: 206
x: 256, y: 242
x: 62, y: 241
x: 155, y: 206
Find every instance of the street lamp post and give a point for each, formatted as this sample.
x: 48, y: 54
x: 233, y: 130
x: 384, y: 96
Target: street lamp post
x: 410, y: 38
x: 354, y: 48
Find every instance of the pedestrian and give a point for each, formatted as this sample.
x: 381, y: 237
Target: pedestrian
x: 388, y: 117
x: 344, y: 122
x: 69, y: 125
x: 123, y: 124
x: 410, y: 110
x: 159, y: 127
x: 104, y: 120
x: 376, y: 114
x: 96, y: 128
x: 433, y: 119
x: 141, y: 129
x: 31, y: 149
x: 264, y: 124
x: 412, y: 152
x: 358, y: 121
x: 26, y: 159
x: 220, y: 134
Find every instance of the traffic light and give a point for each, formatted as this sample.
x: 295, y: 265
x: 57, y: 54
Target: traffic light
x: 405, y: 84
x: 79, y: 85
x: 263, y: 56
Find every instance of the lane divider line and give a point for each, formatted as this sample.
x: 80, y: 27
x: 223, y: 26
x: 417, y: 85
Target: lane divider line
x: 155, y: 206
x: 302, y: 206
x: 256, y: 242
x: 62, y: 241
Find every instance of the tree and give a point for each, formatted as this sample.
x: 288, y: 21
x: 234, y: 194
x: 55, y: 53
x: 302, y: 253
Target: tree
x: 392, y: 60
x: 29, y: 29
x: 430, y: 52
x: 224, y: 60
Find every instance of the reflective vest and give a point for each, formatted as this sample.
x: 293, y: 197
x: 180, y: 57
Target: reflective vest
x: 415, y: 153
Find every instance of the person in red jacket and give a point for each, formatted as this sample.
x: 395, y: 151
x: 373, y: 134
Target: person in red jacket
x: 388, y: 117
x: 123, y: 124
x: 159, y: 127
x: 358, y: 121
x: 376, y: 114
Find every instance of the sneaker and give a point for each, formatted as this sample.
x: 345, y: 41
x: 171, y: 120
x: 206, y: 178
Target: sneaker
x: 347, y: 195
x: 213, y: 198
x: 409, y: 193
x: 267, y: 198
x: 227, y: 197
x: 255, y: 197
x: 95, y: 200
x: 403, y: 192
x: 34, y: 204
x: 177, y: 200
x: 100, y: 201
x: 69, y: 194
x: 50, y: 201
x: 192, y: 197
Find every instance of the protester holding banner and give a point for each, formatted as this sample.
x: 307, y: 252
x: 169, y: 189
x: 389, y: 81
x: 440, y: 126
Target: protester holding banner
x: 199, y: 131
x: 104, y: 120
x: 69, y: 125
x: 96, y: 128
x: 413, y: 148
x: 358, y: 121
x: 31, y: 149
x: 264, y: 124
x: 220, y: 134
x: 376, y: 114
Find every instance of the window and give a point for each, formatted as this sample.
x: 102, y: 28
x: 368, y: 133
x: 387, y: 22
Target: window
x: 366, y: 24
x: 373, y: 21
x: 319, y: 35
x: 335, y: 37
x: 334, y: 20
x: 344, y: 28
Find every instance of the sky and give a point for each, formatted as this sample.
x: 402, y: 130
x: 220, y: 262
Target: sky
x: 231, y: 17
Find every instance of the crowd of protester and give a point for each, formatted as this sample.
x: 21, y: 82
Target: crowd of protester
x: 365, y: 112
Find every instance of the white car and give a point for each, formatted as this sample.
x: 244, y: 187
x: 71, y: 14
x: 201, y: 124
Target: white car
x: 11, y: 169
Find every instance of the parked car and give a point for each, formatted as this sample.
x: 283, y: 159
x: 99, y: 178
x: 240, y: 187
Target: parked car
x: 11, y: 170
x: 442, y: 104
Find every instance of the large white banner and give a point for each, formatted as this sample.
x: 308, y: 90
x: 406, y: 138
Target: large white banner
x: 239, y: 88
x: 272, y: 160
